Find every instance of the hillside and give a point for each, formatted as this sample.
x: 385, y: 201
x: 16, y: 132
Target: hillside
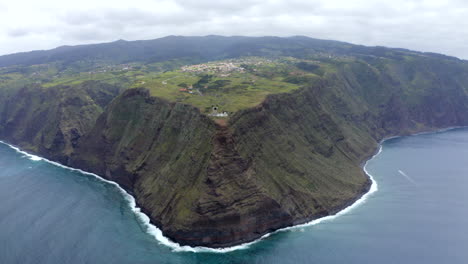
x: 289, y: 151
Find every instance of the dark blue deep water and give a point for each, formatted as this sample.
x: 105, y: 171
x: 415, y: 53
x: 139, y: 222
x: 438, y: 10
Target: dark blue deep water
x: 49, y: 214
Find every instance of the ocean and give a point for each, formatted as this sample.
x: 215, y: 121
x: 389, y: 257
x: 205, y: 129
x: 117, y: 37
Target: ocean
x: 418, y: 214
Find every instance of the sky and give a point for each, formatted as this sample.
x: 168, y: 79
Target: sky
x: 425, y: 25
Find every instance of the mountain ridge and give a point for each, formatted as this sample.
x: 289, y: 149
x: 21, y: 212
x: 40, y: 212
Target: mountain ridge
x: 110, y: 50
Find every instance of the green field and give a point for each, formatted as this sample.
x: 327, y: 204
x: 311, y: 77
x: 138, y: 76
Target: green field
x: 245, y: 83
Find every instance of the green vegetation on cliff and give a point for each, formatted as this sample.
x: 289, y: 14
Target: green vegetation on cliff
x: 50, y: 121
x: 304, y: 115
x: 229, y: 85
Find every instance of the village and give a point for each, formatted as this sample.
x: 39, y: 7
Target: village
x: 224, y: 67
x: 221, y: 67
x: 112, y: 68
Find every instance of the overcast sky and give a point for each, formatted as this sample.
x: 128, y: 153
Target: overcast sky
x: 426, y: 25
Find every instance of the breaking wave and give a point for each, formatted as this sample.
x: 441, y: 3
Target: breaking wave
x: 155, y: 232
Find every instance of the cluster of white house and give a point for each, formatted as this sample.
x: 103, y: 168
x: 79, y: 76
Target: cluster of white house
x: 213, y: 67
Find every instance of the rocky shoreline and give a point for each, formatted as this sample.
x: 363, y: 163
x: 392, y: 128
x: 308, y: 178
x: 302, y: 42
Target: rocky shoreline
x: 227, y: 246
x: 294, y: 158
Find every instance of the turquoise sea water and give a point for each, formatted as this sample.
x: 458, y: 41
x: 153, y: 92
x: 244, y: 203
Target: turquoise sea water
x: 50, y: 214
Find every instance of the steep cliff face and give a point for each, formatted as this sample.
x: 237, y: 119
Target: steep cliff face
x: 183, y: 169
x: 291, y: 159
x: 294, y: 158
x: 50, y: 121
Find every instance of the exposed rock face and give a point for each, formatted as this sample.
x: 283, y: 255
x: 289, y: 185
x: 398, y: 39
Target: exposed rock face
x: 294, y: 158
x: 50, y: 121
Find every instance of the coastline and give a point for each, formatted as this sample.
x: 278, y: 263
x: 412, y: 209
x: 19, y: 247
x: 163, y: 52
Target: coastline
x: 157, y: 234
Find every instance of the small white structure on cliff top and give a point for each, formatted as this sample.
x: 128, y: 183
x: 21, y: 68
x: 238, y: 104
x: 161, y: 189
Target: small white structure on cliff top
x: 223, y: 114
x: 216, y: 113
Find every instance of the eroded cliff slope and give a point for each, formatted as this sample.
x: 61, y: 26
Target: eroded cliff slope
x: 50, y: 121
x: 291, y: 159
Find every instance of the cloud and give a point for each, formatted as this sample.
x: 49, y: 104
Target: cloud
x: 18, y: 32
x: 229, y: 6
x: 427, y: 25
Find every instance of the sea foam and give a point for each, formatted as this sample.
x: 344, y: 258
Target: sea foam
x: 155, y: 232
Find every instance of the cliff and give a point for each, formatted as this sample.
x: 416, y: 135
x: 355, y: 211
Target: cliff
x: 291, y: 159
x: 49, y: 121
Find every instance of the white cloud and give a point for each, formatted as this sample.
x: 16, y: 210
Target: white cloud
x: 427, y: 25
